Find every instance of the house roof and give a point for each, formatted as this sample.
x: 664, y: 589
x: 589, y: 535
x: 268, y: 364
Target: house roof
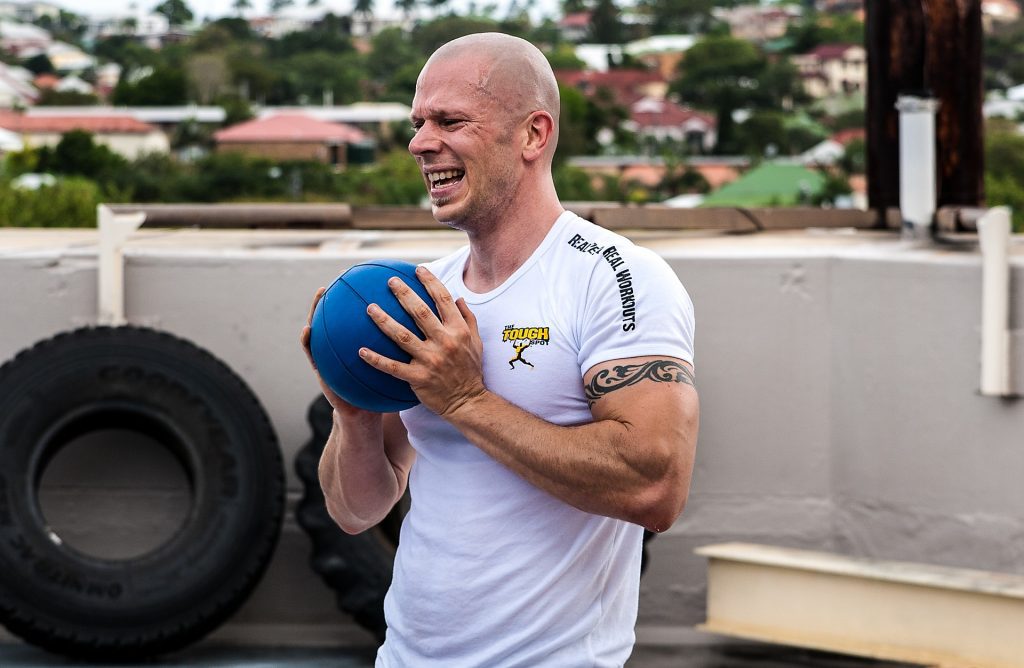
x: 832, y: 51
x: 769, y: 184
x: 60, y: 124
x: 846, y: 136
x: 575, y: 20
x: 46, y: 81
x: 625, y: 84
x: 289, y: 128
x: 649, y: 112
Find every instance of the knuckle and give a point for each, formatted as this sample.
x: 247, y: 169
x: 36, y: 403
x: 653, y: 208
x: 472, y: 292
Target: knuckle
x: 422, y: 312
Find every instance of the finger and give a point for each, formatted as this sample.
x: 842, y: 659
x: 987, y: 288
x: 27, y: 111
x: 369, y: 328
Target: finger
x: 393, y: 329
x: 319, y: 293
x: 304, y: 337
x: 467, y: 314
x: 386, y: 364
x: 440, y: 294
x: 415, y: 307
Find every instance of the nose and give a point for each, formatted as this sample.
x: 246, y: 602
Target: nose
x: 424, y: 141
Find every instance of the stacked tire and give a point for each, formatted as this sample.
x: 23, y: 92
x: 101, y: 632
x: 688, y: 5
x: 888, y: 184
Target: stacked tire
x: 168, y: 390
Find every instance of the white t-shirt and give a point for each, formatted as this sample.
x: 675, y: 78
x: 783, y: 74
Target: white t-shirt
x: 491, y: 571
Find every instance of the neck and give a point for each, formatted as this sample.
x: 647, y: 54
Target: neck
x: 497, y: 251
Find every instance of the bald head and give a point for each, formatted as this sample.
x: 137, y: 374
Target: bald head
x: 510, y: 71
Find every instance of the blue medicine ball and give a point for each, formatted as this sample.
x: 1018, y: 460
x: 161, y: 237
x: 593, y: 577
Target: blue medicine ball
x: 341, y: 327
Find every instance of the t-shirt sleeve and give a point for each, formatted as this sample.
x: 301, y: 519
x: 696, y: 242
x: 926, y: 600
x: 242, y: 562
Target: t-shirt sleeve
x: 635, y: 306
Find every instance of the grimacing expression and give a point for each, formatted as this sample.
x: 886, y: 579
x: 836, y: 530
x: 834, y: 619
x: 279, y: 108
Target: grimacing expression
x: 464, y: 143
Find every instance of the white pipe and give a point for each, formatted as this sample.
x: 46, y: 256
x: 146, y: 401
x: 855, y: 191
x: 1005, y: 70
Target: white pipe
x: 917, y: 165
x: 994, y: 238
x: 114, y: 229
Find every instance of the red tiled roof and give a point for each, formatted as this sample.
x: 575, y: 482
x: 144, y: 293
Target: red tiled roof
x: 844, y: 137
x: 61, y: 124
x: 665, y: 113
x: 575, y: 20
x: 289, y: 128
x: 625, y: 84
x: 46, y: 81
x: 611, y: 78
x: 831, y: 51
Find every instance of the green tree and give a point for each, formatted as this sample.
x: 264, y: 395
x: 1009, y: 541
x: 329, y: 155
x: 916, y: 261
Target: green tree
x: 308, y: 75
x: 126, y: 52
x: 329, y: 34
x: 277, y: 5
x: 680, y: 16
x: 165, y: 86
x: 855, y: 160
x: 69, y: 98
x: 563, y: 57
x: 605, y: 23
x: 240, y: 6
x: 77, y: 153
x: 726, y: 74
x: 176, y: 11
x: 39, y: 64
x: 363, y: 8
x: 427, y: 37
x: 71, y: 202
x: 1003, y: 56
x: 1004, y: 168
x: 815, y: 29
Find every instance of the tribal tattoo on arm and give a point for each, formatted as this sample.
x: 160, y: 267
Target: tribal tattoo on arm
x: 660, y: 371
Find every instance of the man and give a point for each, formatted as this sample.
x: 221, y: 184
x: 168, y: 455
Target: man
x: 530, y: 487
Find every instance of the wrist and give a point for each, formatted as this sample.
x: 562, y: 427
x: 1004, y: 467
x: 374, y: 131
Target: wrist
x: 467, y: 404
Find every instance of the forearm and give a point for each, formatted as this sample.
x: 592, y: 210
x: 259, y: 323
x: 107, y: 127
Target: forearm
x: 606, y: 467
x: 360, y: 482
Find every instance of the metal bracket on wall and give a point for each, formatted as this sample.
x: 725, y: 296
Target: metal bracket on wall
x: 114, y: 230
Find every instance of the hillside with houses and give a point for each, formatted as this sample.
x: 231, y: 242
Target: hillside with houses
x: 675, y: 102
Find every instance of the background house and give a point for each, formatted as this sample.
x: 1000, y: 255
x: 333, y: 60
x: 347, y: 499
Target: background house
x: 664, y: 121
x: 122, y: 134
x: 16, y: 89
x: 291, y: 137
x: 833, y: 69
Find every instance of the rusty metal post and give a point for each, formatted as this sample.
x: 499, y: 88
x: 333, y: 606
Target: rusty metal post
x: 953, y: 35
x: 926, y: 47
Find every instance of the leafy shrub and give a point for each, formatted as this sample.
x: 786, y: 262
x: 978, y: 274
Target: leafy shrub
x: 71, y: 202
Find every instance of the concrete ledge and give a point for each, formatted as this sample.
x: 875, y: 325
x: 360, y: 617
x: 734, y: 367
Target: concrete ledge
x: 882, y: 609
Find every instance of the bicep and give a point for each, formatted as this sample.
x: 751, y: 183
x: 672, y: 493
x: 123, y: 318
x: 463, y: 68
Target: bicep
x: 654, y: 397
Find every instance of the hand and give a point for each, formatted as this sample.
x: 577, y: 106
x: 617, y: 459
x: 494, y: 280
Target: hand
x: 446, y: 369
x: 340, y: 405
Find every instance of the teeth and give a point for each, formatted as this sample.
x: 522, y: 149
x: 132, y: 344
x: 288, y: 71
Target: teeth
x: 438, y: 176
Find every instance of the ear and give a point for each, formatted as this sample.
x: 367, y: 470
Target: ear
x: 540, y: 131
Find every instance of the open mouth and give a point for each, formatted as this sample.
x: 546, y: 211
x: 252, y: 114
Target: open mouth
x: 446, y: 178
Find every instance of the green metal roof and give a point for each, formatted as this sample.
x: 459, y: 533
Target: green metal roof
x: 769, y: 184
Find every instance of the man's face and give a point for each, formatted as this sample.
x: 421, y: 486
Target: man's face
x: 464, y: 143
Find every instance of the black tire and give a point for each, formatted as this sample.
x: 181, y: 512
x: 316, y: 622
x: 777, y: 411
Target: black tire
x: 169, y: 390
x: 358, y: 568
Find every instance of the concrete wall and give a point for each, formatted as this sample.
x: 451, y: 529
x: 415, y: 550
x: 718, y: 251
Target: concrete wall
x: 838, y: 377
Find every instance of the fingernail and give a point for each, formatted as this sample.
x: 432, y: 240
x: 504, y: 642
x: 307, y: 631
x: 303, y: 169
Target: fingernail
x: 420, y: 269
x: 393, y: 281
x: 363, y: 352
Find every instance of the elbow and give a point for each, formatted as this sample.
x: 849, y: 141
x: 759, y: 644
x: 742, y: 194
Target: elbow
x: 658, y: 510
x: 345, y: 521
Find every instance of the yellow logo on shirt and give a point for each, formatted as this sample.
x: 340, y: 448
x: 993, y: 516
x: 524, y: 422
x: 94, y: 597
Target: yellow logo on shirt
x: 522, y: 338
